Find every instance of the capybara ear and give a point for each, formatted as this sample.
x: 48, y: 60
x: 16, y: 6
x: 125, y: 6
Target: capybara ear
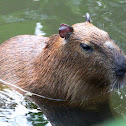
x: 65, y: 31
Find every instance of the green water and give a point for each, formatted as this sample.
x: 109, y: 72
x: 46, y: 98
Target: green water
x: 21, y: 16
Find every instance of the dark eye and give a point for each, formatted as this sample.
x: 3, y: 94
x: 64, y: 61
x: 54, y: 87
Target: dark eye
x: 86, y: 47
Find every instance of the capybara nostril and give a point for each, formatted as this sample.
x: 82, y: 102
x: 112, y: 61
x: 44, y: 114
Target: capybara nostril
x: 120, y: 65
x: 120, y: 72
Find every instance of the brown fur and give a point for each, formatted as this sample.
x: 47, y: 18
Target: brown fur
x: 58, y: 69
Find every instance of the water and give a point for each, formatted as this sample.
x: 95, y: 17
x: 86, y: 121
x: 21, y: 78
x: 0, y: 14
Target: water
x: 43, y: 17
x: 15, y: 110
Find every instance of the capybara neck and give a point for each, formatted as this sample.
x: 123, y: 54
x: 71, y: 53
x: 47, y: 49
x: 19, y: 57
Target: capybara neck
x: 60, y: 113
x: 80, y: 66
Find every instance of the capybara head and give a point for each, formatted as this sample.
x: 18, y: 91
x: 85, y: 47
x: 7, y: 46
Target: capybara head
x: 96, y: 65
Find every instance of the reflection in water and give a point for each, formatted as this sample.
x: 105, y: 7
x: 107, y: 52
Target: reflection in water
x: 12, y: 19
x: 36, y: 0
x: 15, y: 110
x: 38, y: 30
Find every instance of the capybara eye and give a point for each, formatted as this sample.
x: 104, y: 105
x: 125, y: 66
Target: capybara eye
x: 86, y: 47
